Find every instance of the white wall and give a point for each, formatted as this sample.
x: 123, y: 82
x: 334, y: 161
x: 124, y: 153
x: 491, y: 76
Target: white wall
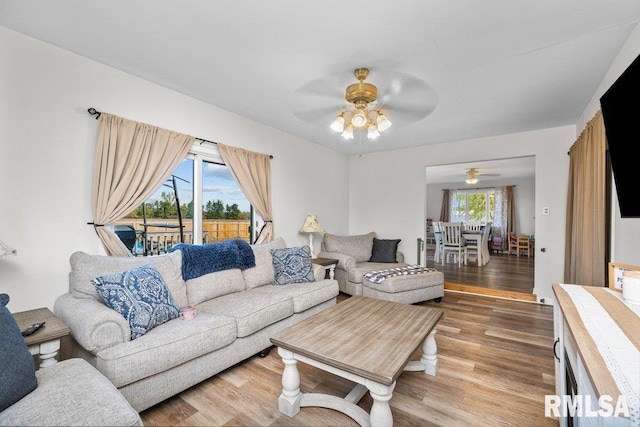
x: 524, y: 196
x: 387, y: 191
x: 625, y: 245
x: 46, y: 159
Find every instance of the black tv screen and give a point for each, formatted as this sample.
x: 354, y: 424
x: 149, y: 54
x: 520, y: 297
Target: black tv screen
x: 621, y: 115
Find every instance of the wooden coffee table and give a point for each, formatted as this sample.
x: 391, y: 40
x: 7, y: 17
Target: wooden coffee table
x: 365, y: 340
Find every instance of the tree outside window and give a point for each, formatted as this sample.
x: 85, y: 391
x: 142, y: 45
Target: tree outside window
x: 473, y: 206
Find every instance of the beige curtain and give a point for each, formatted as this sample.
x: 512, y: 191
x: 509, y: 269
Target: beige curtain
x: 585, y: 245
x: 510, y: 202
x: 252, y: 171
x: 444, y: 211
x: 132, y: 161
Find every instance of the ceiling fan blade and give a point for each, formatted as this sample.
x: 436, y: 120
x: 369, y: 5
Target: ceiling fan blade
x: 317, y: 116
x: 405, y: 98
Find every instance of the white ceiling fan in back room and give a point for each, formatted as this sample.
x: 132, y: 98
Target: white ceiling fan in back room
x: 471, y: 176
x: 364, y: 108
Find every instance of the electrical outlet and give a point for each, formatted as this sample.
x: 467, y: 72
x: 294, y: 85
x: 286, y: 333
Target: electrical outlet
x: 545, y: 210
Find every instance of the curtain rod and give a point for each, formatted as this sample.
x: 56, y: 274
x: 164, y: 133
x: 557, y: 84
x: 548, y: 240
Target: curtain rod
x: 475, y: 188
x: 92, y: 111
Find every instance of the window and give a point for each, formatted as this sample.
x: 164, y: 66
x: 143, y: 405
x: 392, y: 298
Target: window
x: 473, y: 205
x: 201, y: 180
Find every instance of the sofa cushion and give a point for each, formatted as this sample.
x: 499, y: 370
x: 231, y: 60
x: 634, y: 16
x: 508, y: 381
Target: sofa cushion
x: 274, y: 244
x: 165, y: 347
x: 213, y: 285
x: 72, y: 392
x: 304, y: 295
x: 86, y: 267
x: 384, y: 250
x: 355, y: 275
x: 252, y: 311
x: 262, y: 273
x: 17, y: 371
x: 358, y: 246
x: 292, y: 265
x: 140, y: 296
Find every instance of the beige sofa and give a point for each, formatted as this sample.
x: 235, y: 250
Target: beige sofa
x: 238, y: 312
x: 354, y: 254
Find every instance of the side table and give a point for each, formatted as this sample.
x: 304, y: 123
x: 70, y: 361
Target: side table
x: 329, y: 264
x: 45, y: 342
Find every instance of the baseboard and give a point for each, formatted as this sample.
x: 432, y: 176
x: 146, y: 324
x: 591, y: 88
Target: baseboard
x: 491, y: 292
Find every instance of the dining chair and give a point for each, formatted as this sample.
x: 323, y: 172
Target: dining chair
x: 479, y: 247
x: 453, y: 242
x: 473, y: 226
x: 437, y: 235
x: 523, y: 245
x: 513, y: 243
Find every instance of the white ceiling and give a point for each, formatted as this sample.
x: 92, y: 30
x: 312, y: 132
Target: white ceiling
x: 495, y: 67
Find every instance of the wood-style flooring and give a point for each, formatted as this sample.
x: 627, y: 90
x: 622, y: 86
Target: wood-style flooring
x: 504, y: 275
x: 496, y: 366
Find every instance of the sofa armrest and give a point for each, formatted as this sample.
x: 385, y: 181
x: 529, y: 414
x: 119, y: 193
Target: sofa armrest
x: 345, y: 262
x: 318, y: 272
x: 92, y: 324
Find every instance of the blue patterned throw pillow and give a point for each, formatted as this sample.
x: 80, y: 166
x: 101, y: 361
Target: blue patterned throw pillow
x: 292, y: 265
x: 140, y: 295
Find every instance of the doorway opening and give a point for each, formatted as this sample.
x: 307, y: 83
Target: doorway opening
x: 503, y: 273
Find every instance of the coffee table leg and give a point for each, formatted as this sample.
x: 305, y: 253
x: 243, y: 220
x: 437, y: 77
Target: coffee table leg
x: 380, y: 415
x: 430, y: 354
x: 289, y: 400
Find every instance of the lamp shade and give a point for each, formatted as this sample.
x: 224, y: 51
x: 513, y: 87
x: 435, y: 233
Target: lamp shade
x: 348, y: 132
x: 338, y: 123
x: 311, y: 225
x: 359, y: 119
x: 383, y: 122
x: 372, y: 132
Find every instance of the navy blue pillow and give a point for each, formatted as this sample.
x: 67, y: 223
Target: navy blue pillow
x: 17, y: 370
x: 384, y: 250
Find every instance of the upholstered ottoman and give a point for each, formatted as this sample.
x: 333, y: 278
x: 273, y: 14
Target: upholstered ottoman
x: 406, y: 288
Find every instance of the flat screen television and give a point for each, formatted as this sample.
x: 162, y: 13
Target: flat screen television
x: 620, y: 107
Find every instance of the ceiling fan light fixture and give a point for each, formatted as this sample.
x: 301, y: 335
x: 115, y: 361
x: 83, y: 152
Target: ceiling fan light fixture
x: 372, y: 132
x: 348, y: 132
x: 338, y: 123
x: 382, y: 122
x: 360, y: 95
x: 359, y: 119
x: 472, y: 176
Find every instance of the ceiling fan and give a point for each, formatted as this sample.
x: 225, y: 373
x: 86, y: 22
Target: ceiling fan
x: 364, y: 107
x: 471, y: 175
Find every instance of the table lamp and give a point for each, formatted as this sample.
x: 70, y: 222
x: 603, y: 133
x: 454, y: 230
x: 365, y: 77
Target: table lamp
x: 311, y: 225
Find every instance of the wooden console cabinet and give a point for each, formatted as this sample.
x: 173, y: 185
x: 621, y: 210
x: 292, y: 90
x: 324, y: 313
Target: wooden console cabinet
x: 596, y: 350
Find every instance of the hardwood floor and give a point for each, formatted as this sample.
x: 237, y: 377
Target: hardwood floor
x: 504, y: 275
x: 496, y: 366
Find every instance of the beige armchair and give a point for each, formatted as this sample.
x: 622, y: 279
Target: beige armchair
x: 354, y: 254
